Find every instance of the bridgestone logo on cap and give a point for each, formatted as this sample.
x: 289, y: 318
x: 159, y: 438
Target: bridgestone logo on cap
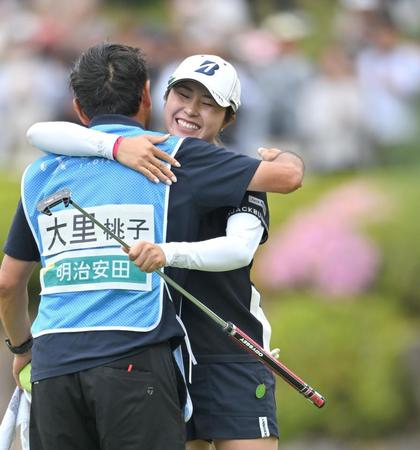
x: 208, y: 68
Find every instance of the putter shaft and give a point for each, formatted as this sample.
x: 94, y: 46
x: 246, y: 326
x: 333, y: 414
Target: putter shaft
x: 232, y: 330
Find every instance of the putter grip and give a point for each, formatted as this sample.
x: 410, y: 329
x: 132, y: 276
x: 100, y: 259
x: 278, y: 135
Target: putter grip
x: 317, y: 399
x: 276, y: 366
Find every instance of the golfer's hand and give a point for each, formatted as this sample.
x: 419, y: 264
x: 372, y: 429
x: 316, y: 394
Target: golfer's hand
x: 269, y: 154
x: 283, y: 157
x: 274, y: 154
x: 139, y: 153
x: 19, y: 362
x: 146, y: 256
x: 275, y: 353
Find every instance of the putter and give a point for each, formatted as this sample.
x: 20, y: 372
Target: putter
x: 234, y: 332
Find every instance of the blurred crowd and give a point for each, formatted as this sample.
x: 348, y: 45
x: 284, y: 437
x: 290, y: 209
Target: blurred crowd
x: 338, y: 107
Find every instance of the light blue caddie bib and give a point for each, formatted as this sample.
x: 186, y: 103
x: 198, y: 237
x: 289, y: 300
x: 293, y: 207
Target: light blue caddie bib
x: 88, y: 282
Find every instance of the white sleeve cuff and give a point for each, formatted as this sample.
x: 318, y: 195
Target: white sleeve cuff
x: 235, y: 250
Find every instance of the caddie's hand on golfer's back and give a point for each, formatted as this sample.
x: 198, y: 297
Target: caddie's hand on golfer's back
x: 146, y: 256
x: 139, y: 153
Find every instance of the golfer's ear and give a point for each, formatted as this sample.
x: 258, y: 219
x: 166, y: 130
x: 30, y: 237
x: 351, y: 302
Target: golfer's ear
x: 146, y: 98
x: 232, y: 119
x: 229, y: 121
x: 80, y: 113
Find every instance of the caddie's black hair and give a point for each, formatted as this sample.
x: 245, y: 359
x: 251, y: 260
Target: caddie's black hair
x: 109, y: 79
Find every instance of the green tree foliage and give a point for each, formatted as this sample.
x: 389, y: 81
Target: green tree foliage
x: 9, y: 197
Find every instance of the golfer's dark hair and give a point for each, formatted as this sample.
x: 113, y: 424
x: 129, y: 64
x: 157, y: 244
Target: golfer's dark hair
x: 109, y: 79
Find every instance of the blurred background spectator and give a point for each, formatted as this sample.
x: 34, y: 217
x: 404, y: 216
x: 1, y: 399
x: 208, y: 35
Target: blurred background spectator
x: 331, y: 131
x: 283, y: 77
x: 203, y: 23
x: 388, y: 69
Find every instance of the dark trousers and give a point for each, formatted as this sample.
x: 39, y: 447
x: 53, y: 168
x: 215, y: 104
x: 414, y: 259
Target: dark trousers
x: 129, y: 404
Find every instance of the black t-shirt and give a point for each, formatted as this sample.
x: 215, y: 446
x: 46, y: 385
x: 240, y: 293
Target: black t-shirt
x: 229, y: 294
x: 209, y: 177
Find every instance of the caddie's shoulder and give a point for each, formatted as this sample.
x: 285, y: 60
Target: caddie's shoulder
x: 40, y: 167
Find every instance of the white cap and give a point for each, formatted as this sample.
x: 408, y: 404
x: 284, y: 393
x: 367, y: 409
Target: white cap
x: 217, y: 75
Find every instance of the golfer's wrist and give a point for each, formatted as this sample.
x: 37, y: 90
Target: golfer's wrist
x: 169, y: 250
x: 116, y: 147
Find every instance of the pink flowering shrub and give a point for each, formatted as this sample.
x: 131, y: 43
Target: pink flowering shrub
x: 323, y: 248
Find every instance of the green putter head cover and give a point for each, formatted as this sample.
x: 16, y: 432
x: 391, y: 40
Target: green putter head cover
x: 25, y: 377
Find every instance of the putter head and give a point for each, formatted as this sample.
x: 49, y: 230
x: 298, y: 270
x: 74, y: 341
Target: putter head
x: 63, y: 196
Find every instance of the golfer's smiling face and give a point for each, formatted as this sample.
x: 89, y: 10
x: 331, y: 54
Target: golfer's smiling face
x: 190, y: 111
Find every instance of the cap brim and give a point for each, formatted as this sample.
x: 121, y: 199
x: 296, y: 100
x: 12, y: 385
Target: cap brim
x: 221, y: 101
